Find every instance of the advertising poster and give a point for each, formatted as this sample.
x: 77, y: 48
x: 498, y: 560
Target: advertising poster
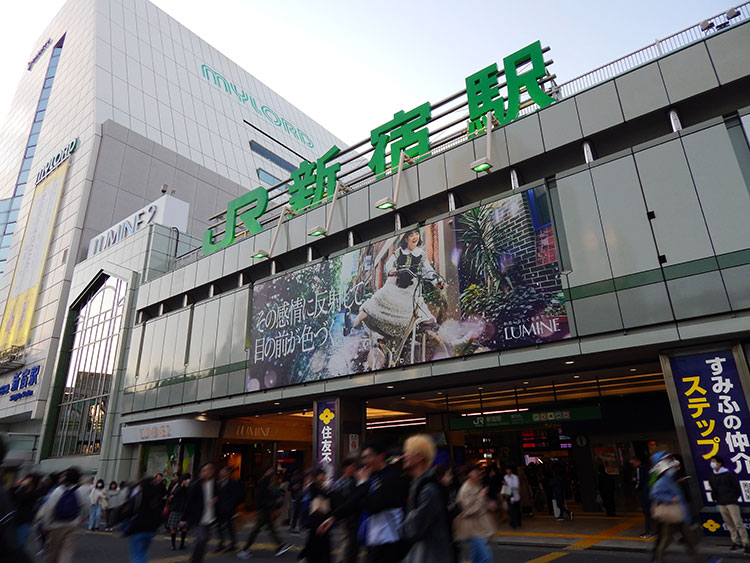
x: 716, y: 416
x: 27, y: 276
x: 483, y: 280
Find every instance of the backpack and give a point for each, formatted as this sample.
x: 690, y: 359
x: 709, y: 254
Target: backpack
x: 67, y: 507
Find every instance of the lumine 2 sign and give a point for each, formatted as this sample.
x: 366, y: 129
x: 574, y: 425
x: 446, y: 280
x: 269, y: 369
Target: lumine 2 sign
x: 314, y: 182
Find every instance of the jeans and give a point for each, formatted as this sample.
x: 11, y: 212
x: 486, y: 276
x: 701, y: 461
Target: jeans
x: 94, y: 515
x: 480, y: 551
x: 139, y: 544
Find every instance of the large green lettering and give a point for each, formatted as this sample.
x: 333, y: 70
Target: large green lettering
x: 249, y: 218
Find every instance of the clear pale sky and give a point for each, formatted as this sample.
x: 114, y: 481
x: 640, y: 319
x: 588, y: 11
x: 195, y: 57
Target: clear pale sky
x: 352, y: 65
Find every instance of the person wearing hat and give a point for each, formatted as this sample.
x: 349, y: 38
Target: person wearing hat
x: 668, y: 506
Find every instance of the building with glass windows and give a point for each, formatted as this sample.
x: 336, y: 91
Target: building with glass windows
x: 119, y: 105
x: 555, y: 286
x: 565, y: 292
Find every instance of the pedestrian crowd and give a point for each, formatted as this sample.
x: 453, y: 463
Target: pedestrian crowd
x: 389, y: 505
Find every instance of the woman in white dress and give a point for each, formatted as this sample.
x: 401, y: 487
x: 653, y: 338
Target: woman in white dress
x: 390, y: 309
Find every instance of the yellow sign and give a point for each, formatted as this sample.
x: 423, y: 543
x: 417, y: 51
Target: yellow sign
x: 27, y: 276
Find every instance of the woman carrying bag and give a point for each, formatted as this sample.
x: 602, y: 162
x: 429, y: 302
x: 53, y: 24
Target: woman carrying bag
x: 474, y: 523
x: 668, y: 506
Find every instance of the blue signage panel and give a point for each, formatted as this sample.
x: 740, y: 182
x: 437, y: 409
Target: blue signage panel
x: 22, y: 380
x: 717, y: 421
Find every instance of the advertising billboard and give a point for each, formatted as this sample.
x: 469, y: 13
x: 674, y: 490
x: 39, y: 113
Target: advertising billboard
x: 483, y: 280
x: 27, y: 277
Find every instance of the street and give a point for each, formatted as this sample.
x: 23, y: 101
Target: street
x: 111, y: 547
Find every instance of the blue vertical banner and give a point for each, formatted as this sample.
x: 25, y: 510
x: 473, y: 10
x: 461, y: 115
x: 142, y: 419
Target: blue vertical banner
x: 714, y: 409
x: 326, y: 436
x: 717, y: 422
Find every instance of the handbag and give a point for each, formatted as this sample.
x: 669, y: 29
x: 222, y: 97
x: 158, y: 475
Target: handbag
x: 165, y: 511
x: 506, y: 491
x: 668, y: 513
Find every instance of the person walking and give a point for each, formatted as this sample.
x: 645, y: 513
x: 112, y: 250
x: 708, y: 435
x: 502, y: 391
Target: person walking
x: 558, y: 486
x: 640, y: 484
x: 177, y: 504
x: 113, y: 506
x: 317, y: 546
x: 229, y: 496
x: 65, y: 509
x: 12, y: 549
x: 725, y: 490
x: 474, y: 523
x: 295, y: 490
x: 427, y: 526
x: 380, y: 495
x: 607, y: 491
x: 98, y: 502
x: 342, y: 489
x: 669, y: 507
x: 147, y: 518
x: 200, y: 510
x: 269, y: 499
x: 25, y: 497
x: 513, y: 493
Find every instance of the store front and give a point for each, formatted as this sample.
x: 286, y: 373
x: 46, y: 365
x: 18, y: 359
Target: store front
x: 171, y: 446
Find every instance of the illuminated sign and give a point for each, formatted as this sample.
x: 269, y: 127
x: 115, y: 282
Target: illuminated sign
x: 313, y: 183
x: 326, y: 436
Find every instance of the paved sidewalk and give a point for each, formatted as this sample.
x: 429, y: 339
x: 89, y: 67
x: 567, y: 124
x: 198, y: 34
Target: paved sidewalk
x: 597, y: 532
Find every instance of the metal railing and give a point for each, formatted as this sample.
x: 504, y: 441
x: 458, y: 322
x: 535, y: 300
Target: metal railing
x: 449, y: 127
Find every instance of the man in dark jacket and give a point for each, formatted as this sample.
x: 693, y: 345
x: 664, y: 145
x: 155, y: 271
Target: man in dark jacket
x: 341, y: 491
x: 427, y: 526
x: 200, y: 510
x: 725, y: 490
x: 229, y: 495
x: 640, y: 484
x: 269, y: 497
x: 380, y: 493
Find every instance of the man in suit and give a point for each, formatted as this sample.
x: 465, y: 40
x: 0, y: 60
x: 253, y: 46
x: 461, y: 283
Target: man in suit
x: 229, y: 495
x: 200, y: 510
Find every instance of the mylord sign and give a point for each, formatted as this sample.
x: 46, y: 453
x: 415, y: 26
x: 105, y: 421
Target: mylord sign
x: 56, y: 161
x: 167, y: 210
x: 406, y: 134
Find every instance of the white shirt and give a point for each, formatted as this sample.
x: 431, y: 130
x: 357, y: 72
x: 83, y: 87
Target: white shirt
x: 208, y: 507
x: 515, y: 485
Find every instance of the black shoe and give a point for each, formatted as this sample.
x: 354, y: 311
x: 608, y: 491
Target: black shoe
x: 173, y: 547
x: 182, y: 546
x: 219, y: 548
x: 735, y: 547
x: 231, y: 548
x: 747, y: 549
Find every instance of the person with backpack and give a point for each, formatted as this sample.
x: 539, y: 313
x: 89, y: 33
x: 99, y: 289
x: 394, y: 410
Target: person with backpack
x: 64, y: 510
x: 474, y: 523
x: 427, y: 526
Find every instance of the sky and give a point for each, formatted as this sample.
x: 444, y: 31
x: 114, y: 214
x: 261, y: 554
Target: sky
x: 352, y: 65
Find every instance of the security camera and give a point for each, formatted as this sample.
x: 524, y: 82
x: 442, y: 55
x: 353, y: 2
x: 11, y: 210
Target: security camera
x: 164, y: 188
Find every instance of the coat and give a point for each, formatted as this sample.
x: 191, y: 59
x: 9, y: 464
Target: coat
x: 474, y: 521
x: 195, y: 503
x: 725, y: 488
x: 427, y: 525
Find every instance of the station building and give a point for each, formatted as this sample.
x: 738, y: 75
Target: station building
x: 559, y: 285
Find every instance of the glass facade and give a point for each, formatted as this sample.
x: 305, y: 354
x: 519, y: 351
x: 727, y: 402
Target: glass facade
x: 272, y: 157
x: 264, y: 176
x: 9, y: 207
x: 91, y: 366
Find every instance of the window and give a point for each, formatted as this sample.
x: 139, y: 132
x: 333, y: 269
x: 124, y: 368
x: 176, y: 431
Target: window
x: 272, y: 157
x: 539, y: 208
x: 264, y: 176
x: 91, y: 364
x: 32, y: 140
